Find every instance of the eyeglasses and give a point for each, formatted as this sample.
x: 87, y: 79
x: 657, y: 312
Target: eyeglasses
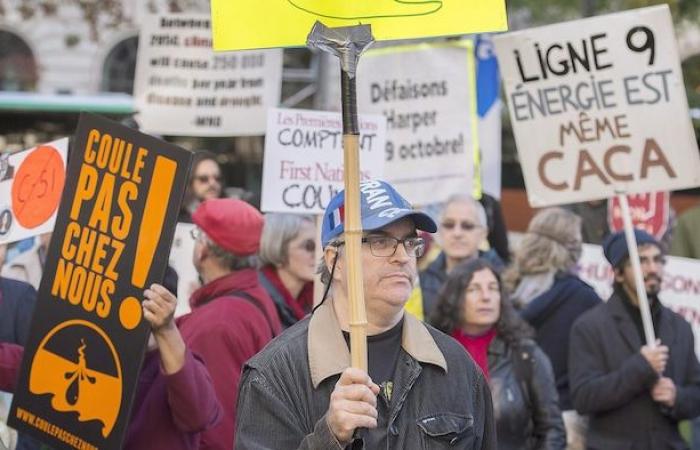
x: 196, y: 233
x: 465, y: 226
x: 659, y: 260
x: 206, y: 178
x: 309, y: 245
x: 385, y: 246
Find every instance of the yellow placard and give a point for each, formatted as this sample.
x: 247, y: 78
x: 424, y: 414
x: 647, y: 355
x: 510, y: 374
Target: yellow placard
x: 240, y: 25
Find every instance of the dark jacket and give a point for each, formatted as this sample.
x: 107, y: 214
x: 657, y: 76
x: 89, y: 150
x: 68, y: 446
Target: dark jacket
x: 285, y: 313
x: 552, y: 314
x: 525, y: 403
x: 440, y: 399
x: 434, y: 276
x: 17, y: 300
x: 498, y: 232
x: 283, y: 299
x: 611, y: 381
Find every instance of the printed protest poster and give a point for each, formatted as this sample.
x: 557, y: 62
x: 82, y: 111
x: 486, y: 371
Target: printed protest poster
x: 680, y: 287
x: 650, y: 212
x: 303, y: 162
x: 181, y: 261
x: 113, y: 232
x: 183, y: 88
x: 286, y: 23
x: 591, y: 103
x: 31, y: 183
x: 428, y: 95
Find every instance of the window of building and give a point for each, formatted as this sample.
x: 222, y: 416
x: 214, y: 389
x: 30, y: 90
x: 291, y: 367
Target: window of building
x: 120, y: 66
x: 18, y: 71
x: 300, y: 78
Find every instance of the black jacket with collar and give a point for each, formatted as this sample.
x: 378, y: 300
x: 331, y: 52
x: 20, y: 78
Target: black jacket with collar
x: 527, y: 410
x: 611, y: 381
x: 440, y: 398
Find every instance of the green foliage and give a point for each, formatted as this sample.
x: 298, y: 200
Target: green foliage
x: 551, y: 11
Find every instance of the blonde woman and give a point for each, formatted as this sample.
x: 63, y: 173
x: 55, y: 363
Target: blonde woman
x: 551, y: 297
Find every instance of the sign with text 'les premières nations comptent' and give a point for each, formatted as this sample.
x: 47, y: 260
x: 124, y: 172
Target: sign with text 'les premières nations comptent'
x: 303, y: 164
x: 286, y: 23
x: 428, y: 95
x: 111, y: 240
x: 31, y: 183
x: 182, y: 87
x: 598, y: 105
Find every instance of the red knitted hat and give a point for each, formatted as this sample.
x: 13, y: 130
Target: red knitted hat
x: 233, y: 225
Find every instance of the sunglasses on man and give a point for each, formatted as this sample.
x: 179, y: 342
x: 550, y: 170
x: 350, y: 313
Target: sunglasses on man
x: 206, y: 178
x: 464, y: 225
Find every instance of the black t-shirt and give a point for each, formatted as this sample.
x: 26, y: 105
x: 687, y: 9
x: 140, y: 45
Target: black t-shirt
x: 382, y: 356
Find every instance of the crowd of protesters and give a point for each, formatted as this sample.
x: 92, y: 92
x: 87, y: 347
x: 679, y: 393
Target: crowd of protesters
x: 514, y: 351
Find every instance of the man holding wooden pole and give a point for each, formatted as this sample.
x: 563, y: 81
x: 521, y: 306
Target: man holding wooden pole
x: 635, y: 394
x: 421, y: 390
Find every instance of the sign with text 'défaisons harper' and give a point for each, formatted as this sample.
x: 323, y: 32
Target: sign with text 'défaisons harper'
x: 286, y: 23
x: 598, y: 106
x: 427, y: 93
x: 113, y: 232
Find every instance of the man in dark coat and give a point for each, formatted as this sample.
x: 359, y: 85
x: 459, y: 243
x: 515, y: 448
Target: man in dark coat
x: 635, y: 394
x: 463, y: 227
x: 421, y: 390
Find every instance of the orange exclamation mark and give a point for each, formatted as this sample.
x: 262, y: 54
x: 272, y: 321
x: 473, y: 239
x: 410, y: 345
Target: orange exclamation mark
x: 153, y: 217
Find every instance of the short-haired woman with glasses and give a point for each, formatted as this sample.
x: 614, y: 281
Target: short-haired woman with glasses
x: 287, y: 255
x: 473, y: 308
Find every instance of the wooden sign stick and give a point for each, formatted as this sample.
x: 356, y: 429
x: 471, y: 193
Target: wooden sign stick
x: 637, y: 269
x: 348, y: 43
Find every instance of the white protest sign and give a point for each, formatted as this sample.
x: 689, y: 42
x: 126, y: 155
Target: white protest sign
x: 598, y: 105
x: 181, y: 261
x: 680, y: 289
x: 427, y: 93
x: 182, y: 87
x: 31, y: 184
x: 303, y: 162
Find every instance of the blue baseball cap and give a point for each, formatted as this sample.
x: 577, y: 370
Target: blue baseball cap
x: 615, y: 245
x: 380, y: 205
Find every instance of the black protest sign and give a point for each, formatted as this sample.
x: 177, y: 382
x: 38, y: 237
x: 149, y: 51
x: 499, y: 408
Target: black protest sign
x: 113, y: 233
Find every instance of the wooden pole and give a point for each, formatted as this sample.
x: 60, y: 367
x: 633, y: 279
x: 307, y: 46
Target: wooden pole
x: 637, y: 269
x: 348, y: 43
x: 318, y: 286
x: 353, y: 246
